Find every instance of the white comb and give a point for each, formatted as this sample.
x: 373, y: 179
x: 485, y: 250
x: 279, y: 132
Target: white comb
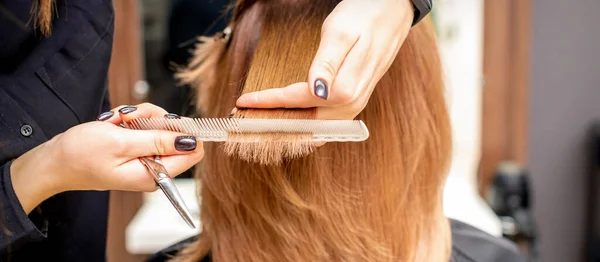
x: 218, y: 129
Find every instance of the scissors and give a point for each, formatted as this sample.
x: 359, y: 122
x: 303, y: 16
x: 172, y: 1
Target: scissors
x: 164, y: 181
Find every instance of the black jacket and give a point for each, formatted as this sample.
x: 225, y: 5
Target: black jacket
x: 469, y: 244
x: 48, y: 85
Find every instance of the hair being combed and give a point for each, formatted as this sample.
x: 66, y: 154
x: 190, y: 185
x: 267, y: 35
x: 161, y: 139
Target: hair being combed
x: 280, y: 57
x: 378, y: 200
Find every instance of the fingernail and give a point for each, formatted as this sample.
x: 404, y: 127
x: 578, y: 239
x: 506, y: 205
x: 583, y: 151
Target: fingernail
x: 127, y: 109
x: 185, y: 143
x: 321, y: 89
x: 105, y: 116
x: 172, y: 116
x: 230, y: 115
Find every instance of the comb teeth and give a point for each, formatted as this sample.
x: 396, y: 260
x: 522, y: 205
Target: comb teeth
x: 218, y: 129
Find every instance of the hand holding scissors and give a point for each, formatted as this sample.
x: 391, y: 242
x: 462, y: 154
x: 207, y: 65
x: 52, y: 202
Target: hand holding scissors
x: 153, y: 164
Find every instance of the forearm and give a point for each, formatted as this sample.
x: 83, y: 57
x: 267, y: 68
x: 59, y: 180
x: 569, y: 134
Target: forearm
x: 31, y: 179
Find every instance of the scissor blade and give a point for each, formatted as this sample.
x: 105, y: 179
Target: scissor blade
x: 162, y: 179
x: 168, y: 187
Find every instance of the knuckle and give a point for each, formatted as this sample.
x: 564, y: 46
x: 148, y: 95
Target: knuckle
x: 345, y: 94
x: 345, y: 36
x: 145, y: 105
x: 328, y: 25
x: 160, y: 145
x: 327, y: 68
x: 339, y: 29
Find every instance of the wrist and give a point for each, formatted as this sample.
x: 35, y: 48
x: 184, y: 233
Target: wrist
x: 33, y: 177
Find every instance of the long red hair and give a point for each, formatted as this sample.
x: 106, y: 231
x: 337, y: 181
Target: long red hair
x: 378, y: 200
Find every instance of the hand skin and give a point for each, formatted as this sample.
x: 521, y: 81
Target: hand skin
x: 359, y: 41
x: 98, y: 156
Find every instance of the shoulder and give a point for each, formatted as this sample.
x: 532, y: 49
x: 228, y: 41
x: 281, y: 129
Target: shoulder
x: 470, y: 244
x: 171, y: 251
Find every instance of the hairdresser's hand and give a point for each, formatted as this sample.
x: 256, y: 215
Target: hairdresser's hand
x: 127, y: 113
x: 359, y: 41
x: 101, y: 156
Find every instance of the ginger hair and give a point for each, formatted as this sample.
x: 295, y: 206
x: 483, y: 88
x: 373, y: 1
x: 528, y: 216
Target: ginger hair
x: 43, y: 11
x: 377, y: 200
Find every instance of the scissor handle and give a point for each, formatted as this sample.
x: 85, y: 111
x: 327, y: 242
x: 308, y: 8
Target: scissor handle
x: 157, y: 170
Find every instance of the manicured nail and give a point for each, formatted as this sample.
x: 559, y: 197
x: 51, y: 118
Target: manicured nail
x: 172, y: 116
x: 127, y: 109
x: 321, y: 89
x: 105, y: 116
x: 230, y: 115
x: 185, y: 143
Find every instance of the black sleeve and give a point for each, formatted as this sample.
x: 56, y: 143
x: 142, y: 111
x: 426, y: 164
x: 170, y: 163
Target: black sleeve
x: 422, y: 8
x: 17, y: 229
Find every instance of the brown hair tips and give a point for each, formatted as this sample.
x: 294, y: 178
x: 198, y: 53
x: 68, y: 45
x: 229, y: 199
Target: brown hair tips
x: 42, y: 11
x: 378, y: 200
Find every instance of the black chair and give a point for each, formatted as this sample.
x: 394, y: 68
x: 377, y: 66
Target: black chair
x: 510, y: 199
x: 593, y: 196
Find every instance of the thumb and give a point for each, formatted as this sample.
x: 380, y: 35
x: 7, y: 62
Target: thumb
x: 333, y: 49
x: 158, y: 142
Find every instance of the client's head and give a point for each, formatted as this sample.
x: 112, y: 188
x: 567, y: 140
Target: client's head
x: 377, y: 200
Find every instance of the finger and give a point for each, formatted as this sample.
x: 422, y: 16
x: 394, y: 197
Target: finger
x: 145, y: 110
x: 178, y: 164
x: 335, y: 44
x: 296, y: 95
x: 108, y: 116
x: 138, y: 178
x: 380, y: 61
x: 319, y: 144
x: 352, y: 79
x: 111, y: 116
x: 233, y: 111
x: 336, y: 113
x: 137, y: 143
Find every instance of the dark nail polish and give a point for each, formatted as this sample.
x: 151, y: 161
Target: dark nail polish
x: 185, y: 143
x: 321, y: 89
x: 230, y: 115
x: 105, y: 116
x: 127, y: 109
x: 241, y: 108
x: 172, y: 116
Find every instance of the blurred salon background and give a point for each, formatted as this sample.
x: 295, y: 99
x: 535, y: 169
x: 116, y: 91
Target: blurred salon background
x: 522, y: 78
